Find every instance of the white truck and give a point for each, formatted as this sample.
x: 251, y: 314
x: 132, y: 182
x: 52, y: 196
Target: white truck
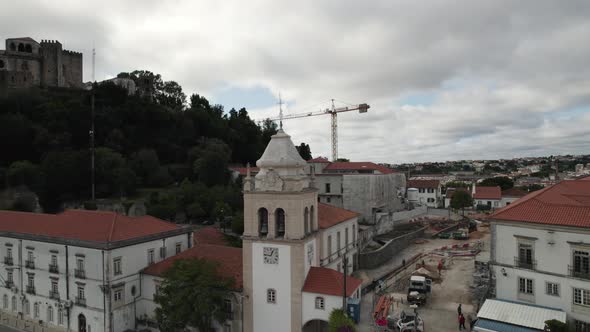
x: 419, y: 289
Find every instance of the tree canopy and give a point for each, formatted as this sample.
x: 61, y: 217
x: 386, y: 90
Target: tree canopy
x: 192, y: 294
x: 461, y: 199
x: 340, y: 322
x: 503, y: 182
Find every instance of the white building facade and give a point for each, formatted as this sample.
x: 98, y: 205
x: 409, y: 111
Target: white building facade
x: 72, y: 277
x: 429, y: 192
x: 541, y: 250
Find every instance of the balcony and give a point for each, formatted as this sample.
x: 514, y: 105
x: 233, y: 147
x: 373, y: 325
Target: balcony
x: 525, y: 264
x: 81, y: 301
x: 53, y: 268
x: 8, y: 261
x: 54, y: 295
x: 30, y: 289
x: 80, y: 274
x: 578, y: 272
x: 29, y: 264
x: 9, y: 284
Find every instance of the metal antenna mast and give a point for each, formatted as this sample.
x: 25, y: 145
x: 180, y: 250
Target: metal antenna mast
x: 92, y: 126
x: 280, y: 112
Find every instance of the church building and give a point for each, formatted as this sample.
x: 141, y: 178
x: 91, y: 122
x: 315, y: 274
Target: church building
x: 289, y: 279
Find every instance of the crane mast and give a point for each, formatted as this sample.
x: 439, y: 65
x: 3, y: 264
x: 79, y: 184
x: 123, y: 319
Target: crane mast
x: 333, y: 112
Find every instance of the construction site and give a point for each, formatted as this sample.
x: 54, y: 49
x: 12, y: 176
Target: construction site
x: 422, y: 284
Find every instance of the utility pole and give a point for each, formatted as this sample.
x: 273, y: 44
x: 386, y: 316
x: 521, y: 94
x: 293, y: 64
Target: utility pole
x: 344, y: 295
x: 92, y: 127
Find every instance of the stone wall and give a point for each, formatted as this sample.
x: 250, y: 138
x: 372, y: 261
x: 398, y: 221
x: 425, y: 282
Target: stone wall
x: 28, y: 325
x: 376, y: 258
x: 72, y: 69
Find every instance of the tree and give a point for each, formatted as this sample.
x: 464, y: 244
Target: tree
x: 237, y: 223
x: 340, y: 322
x: 211, y: 167
x: 171, y: 95
x: 24, y: 173
x: 192, y: 294
x: 304, y: 151
x: 268, y: 129
x: 555, y: 325
x: 460, y: 200
x: 503, y: 182
x: 145, y: 163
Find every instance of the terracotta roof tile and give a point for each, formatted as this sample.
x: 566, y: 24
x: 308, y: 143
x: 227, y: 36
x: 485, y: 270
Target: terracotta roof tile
x: 487, y: 192
x: 96, y: 226
x: 329, y: 215
x: 514, y: 192
x: 319, y: 160
x: 359, y: 166
x: 228, y: 258
x: 321, y: 280
x: 423, y: 183
x: 209, y: 235
x: 566, y: 203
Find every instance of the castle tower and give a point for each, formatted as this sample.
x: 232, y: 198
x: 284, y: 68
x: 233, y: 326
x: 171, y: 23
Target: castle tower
x: 52, y: 66
x: 279, y: 242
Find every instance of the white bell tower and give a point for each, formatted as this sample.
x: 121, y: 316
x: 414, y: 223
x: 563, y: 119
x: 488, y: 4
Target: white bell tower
x: 279, y: 241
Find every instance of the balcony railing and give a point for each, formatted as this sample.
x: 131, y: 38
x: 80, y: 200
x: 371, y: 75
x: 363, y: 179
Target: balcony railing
x: 53, y: 268
x: 30, y: 289
x: 229, y: 315
x: 29, y: 264
x: 578, y: 272
x: 80, y: 274
x: 81, y: 301
x: 54, y: 295
x: 529, y: 264
x: 8, y: 284
x: 8, y: 261
x: 330, y: 258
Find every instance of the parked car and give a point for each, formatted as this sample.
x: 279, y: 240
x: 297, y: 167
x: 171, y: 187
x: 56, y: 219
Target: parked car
x: 419, y: 289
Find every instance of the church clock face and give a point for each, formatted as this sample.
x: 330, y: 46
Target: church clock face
x: 271, y: 255
x: 310, y: 254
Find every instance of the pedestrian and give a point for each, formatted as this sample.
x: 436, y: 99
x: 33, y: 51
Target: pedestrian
x: 403, y: 262
x: 459, y: 309
x: 439, y: 267
x: 462, y: 322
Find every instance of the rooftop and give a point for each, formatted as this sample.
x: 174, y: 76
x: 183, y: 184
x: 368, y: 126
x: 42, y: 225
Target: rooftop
x: 487, y: 192
x: 329, y: 215
x: 423, y: 183
x: 566, y: 203
x: 513, y: 192
x: 209, y: 235
x: 321, y: 280
x: 358, y: 166
x: 228, y: 258
x: 522, y: 315
x: 319, y: 160
x: 96, y: 227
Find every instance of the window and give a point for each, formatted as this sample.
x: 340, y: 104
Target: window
x: 60, y: 317
x: 5, y: 301
x: 150, y: 256
x: 50, y: 314
x: 54, y: 260
x: 430, y: 190
x: 21, y: 47
x: 525, y: 255
x: 319, y: 303
x: 31, y: 279
x: 581, y: 296
x: 329, y: 245
x: 263, y: 222
x: 227, y: 309
x: 80, y: 264
x: 79, y: 271
x: 25, y: 66
x: 581, y: 263
x: 1, y: 64
x: 525, y: 286
x: 163, y: 252
x: 12, y: 47
x: 420, y: 190
x: 311, y: 219
x: 28, y: 48
x: 338, y: 242
x: 430, y: 200
x: 328, y: 200
x: 118, y: 295
x: 271, y: 296
x: 117, y: 266
x: 353, y: 233
x: 552, y: 289
x: 280, y: 222
x: 81, y: 291
x: 36, y: 310
x: 581, y: 326
x: 54, y: 286
x: 27, y: 307
x: 30, y: 256
x: 346, y: 237
x: 178, y: 248
x: 327, y: 187
x: 306, y: 220
x: 13, y: 303
x: 9, y: 252
x: 496, y: 203
x: 9, y: 279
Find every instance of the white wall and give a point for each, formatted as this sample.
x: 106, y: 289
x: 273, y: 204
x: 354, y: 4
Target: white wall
x: 363, y: 193
x: 552, y: 265
x: 507, y: 201
x: 333, y: 232
x: 267, y: 316
x: 310, y: 312
x: 424, y: 196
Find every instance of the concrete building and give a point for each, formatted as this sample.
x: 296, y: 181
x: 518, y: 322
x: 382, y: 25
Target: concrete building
x: 79, y: 270
x: 26, y: 63
x: 363, y: 187
x: 540, y: 251
x: 286, y: 288
x: 429, y: 192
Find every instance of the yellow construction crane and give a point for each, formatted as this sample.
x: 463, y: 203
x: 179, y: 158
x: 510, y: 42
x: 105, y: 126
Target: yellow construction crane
x: 362, y: 108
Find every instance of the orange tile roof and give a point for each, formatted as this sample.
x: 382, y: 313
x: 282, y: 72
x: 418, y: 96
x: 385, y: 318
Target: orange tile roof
x: 228, y: 258
x: 423, y: 183
x: 321, y: 280
x: 95, y: 226
x: 329, y: 215
x: 359, y: 166
x: 514, y: 192
x: 209, y: 235
x: 487, y: 192
x: 319, y: 160
x: 566, y: 203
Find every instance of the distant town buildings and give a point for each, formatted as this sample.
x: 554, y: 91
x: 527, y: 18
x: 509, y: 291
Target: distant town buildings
x: 540, y: 252
x: 26, y: 63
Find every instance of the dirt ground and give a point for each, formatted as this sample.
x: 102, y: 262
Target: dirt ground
x: 440, y: 312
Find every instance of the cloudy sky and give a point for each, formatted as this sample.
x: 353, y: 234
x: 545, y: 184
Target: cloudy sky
x: 446, y: 80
